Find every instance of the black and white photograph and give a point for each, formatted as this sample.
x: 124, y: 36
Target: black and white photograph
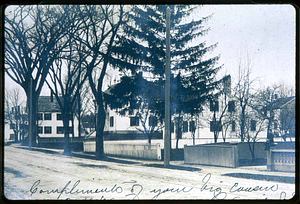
x: 149, y: 102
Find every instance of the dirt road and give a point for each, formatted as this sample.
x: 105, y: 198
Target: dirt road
x: 42, y: 175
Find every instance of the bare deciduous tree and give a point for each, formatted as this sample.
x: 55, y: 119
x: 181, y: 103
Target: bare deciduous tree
x: 100, y: 36
x: 33, y: 39
x: 145, y: 114
x: 66, y: 87
x: 14, y: 112
x: 243, y: 93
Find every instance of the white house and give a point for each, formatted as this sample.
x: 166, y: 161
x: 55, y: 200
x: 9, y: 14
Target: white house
x: 282, y: 111
x: 9, y: 134
x: 131, y: 124
x: 50, y: 124
x: 199, y: 126
x: 126, y: 127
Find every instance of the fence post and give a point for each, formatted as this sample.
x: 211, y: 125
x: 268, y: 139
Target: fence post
x: 269, y: 160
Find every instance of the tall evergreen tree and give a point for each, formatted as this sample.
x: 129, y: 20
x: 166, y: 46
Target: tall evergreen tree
x: 193, y: 76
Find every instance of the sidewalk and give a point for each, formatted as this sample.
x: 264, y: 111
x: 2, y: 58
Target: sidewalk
x: 247, y: 172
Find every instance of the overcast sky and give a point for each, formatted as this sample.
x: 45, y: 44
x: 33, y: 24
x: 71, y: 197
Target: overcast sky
x: 266, y: 32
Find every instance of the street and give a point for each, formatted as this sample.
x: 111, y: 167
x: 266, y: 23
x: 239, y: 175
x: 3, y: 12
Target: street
x: 51, y: 175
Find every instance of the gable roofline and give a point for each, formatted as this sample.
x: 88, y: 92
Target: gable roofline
x: 288, y: 102
x: 279, y: 103
x: 46, y: 105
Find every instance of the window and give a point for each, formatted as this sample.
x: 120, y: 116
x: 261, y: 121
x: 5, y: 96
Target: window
x: 265, y: 113
x: 71, y: 116
x: 152, y: 121
x: 12, y: 136
x: 233, y: 126
x: 214, y: 106
x: 253, y: 125
x: 47, y: 116
x: 71, y: 130
x: 133, y: 104
x: 111, y: 121
x: 185, y: 126
x: 23, y: 126
x: 211, y: 126
x: 134, y: 121
x: 178, y: 128
x: 47, y: 130
x: 215, y: 126
x: 12, y: 126
x: 40, y: 116
x: 40, y: 130
x: 59, y: 116
x: 275, y: 125
x: 59, y: 130
x: 192, y: 126
x: 172, y: 127
x: 231, y: 106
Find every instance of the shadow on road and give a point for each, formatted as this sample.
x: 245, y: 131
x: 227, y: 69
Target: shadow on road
x: 284, y: 179
x: 110, y: 159
x: 182, y: 168
x: 18, y: 174
x: 82, y: 155
x: 91, y: 165
x: 40, y: 150
x: 107, y: 159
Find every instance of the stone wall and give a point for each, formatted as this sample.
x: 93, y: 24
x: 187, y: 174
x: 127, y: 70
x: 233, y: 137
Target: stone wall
x: 213, y: 154
x: 142, y: 151
x: 225, y: 154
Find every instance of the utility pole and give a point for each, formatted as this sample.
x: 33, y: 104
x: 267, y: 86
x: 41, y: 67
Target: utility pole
x: 167, y: 138
x: 79, y: 110
x: 30, y: 116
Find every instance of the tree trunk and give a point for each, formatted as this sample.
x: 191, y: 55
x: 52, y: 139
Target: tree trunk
x: 215, y: 136
x: 99, y: 131
x: 33, y: 122
x: 72, y: 125
x: 16, y: 132
x: 193, y: 136
x: 216, y: 128
x: 251, y: 151
x: 79, y: 111
x: 149, y: 138
x: 242, y: 130
x: 178, y: 130
x: 79, y: 126
x: 66, y: 121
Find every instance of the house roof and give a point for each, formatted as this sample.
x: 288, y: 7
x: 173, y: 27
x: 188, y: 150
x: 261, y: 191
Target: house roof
x: 279, y: 103
x: 108, y: 90
x: 45, y: 104
x: 88, y: 125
